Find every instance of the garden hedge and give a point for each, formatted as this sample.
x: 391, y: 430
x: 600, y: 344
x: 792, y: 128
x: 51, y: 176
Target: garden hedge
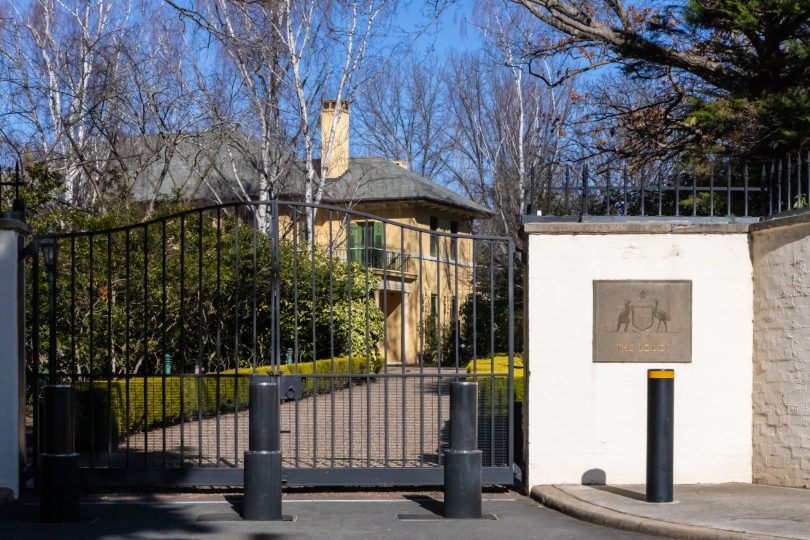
x: 102, y: 405
x: 497, y: 423
x: 500, y: 371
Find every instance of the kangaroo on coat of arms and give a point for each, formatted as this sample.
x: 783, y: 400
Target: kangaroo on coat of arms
x: 642, y: 315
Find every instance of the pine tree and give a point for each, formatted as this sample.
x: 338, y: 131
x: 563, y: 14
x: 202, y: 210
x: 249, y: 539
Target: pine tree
x: 745, y: 63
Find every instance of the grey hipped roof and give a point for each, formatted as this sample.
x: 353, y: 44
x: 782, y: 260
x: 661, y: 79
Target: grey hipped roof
x: 201, y: 169
x: 373, y: 179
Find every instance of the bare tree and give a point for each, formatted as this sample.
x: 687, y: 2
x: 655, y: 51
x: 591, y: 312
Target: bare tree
x: 401, y: 116
x: 94, y: 93
x: 57, y: 73
x: 326, y: 43
x: 288, y: 56
x: 508, y: 131
x: 624, y: 32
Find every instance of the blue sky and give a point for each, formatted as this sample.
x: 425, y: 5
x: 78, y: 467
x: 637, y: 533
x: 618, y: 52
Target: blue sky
x: 451, y: 29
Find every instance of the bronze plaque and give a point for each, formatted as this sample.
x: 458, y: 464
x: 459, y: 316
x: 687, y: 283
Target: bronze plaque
x: 642, y: 321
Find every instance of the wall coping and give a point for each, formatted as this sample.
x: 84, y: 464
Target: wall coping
x: 15, y: 225
x: 790, y: 219
x: 639, y: 226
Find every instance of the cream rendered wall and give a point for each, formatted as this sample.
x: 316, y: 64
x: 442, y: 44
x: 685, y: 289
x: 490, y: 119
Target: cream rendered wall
x: 428, y: 278
x: 585, y: 416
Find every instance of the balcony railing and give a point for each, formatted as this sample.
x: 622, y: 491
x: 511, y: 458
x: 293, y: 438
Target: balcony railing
x: 379, y: 258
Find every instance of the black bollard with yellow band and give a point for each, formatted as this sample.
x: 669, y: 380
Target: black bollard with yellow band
x: 660, y: 434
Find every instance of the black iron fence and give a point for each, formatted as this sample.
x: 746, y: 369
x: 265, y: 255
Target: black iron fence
x: 159, y: 326
x: 712, y: 187
x: 12, y: 204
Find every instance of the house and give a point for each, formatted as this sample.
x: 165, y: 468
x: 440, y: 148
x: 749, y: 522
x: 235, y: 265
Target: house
x: 421, y: 275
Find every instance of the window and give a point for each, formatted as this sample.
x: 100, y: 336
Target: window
x: 454, y: 241
x: 303, y: 237
x: 434, y: 240
x: 366, y: 245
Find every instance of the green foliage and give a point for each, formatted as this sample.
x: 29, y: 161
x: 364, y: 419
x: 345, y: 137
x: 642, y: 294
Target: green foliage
x: 703, y: 204
x: 432, y: 352
x: 348, y: 295
x: 184, y: 284
x: 494, y: 380
x: 764, y: 48
x: 104, y: 405
x: 488, y: 328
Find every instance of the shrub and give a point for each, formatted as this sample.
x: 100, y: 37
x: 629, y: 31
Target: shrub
x: 185, y: 279
x: 500, y: 371
x: 493, y: 404
x: 103, y: 404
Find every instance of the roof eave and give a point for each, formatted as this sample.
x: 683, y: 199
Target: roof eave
x: 475, y: 213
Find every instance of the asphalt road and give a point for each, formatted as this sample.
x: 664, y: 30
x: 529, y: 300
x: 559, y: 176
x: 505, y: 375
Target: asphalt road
x: 315, y: 517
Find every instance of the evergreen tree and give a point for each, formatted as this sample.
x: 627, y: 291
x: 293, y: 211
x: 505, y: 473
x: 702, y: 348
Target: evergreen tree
x: 742, y: 65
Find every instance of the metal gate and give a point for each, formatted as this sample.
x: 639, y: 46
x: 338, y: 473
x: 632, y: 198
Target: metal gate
x: 159, y: 326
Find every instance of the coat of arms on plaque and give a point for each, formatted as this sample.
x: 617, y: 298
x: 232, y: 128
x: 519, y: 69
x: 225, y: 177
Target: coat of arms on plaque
x: 642, y: 320
x: 642, y: 314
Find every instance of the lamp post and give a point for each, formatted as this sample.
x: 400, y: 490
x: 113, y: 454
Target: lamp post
x: 59, y: 463
x: 50, y: 251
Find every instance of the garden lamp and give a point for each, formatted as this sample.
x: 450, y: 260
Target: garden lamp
x: 50, y: 250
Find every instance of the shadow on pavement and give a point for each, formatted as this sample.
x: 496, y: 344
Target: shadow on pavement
x: 236, y: 502
x: 622, y: 492
x: 21, y: 521
x: 428, y: 503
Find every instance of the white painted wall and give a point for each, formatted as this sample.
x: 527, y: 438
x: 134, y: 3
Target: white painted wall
x: 585, y: 416
x: 9, y: 364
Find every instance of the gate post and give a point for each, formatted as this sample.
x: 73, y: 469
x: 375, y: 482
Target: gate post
x: 462, y: 461
x: 12, y: 356
x: 263, y: 459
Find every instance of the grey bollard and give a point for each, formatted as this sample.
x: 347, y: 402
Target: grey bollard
x: 263, y: 458
x: 60, y: 487
x: 462, y: 461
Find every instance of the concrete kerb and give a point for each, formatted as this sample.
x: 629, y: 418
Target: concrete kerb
x: 556, y: 499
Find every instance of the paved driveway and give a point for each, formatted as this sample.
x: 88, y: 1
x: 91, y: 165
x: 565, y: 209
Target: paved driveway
x: 315, y: 517
x: 380, y: 421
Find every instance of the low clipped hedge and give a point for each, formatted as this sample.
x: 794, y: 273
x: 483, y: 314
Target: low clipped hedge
x: 101, y: 406
x: 500, y: 372
x: 493, y: 405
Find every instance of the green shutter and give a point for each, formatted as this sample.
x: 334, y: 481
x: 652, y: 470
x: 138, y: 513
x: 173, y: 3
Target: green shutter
x: 356, y: 243
x: 378, y: 234
x: 377, y: 258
